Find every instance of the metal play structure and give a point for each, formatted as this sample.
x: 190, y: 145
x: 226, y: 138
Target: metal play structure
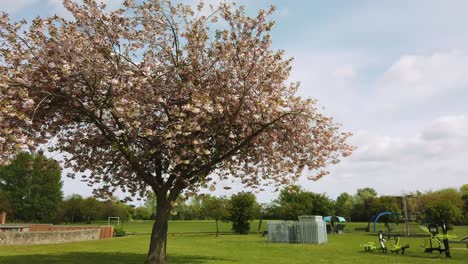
x: 335, y: 224
x: 374, y: 219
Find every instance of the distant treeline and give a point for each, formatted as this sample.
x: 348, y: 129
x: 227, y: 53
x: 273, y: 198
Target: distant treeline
x: 31, y: 191
x: 449, y: 205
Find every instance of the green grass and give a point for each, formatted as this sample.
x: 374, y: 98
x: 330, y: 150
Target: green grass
x: 206, y: 248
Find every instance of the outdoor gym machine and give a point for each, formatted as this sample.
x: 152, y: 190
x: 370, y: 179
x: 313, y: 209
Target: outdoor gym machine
x: 370, y: 246
x: 436, y: 241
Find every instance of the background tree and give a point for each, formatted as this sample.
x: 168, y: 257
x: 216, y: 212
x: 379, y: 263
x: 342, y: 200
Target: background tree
x: 464, y: 196
x: 34, y: 186
x: 242, y: 209
x: 215, y: 208
x: 293, y: 201
x: 91, y: 209
x: 73, y: 208
x: 321, y: 205
x: 150, y: 203
x: 153, y: 96
x: 5, y: 204
x: 343, y: 205
x: 190, y: 208
x: 363, y: 202
x: 142, y: 213
x: 366, y: 193
x: 386, y: 204
x: 442, y: 205
x: 181, y: 210
x: 115, y: 208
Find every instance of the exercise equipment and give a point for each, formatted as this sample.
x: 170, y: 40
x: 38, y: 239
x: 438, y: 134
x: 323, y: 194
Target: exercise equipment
x: 396, y: 248
x: 436, y: 241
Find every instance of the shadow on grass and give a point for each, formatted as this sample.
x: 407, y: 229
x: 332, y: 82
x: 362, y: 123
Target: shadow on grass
x: 102, y: 258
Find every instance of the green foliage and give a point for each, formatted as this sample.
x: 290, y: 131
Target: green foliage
x: 443, y: 205
x: 465, y: 208
x: 366, y: 193
x: 464, y: 189
x: 343, y: 204
x: 293, y: 202
x: 363, y: 203
x: 215, y: 208
x: 142, y: 213
x: 186, y: 210
x: 464, y: 193
x: 385, y: 204
x: 242, y: 209
x: 34, y: 186
x: 77, y: 209
x: 439, y: 211
x: 73, y: 208
x: 90, y: 209
x: 119, y: 232
x: 150, y: 203
x: 115, y: 208
x: 5, y: 204
x: 321, y: 205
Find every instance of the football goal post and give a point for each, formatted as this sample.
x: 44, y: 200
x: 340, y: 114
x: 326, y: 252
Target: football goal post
x: 113, y: 218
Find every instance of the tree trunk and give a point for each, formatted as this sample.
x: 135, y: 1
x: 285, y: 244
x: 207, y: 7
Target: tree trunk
x: 217, y: 229
x: 157, y: 250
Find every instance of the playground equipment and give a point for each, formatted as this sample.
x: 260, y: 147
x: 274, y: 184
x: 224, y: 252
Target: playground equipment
x: 436, y: 241
x: 394, y: 219
x: 370, y: 246
x: 390, y: 223
x: 335, y: 224
x: 398, y: 248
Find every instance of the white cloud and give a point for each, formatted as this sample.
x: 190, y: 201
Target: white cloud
x: 432, y: 159
x: 334, y: 78
x: 418, y: 78
x: 447, y: 127
x: 11, y: 6
x: 446, y: 138
x: 345, y: 72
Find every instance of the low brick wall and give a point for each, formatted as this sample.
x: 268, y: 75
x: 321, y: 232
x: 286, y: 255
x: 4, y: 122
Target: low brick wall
x: 104, y: 231
x: 48, y: 237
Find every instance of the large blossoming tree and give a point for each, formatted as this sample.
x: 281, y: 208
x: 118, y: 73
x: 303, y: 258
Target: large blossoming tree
x: 157, y: 96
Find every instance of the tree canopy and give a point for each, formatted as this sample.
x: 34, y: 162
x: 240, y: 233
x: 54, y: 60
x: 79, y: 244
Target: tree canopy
x: 158, y: 96
x: 216, y: 208
x: 242, y: 208
x: 33, y: 184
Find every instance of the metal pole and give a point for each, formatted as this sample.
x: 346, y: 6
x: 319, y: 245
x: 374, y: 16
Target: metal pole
x: 405, y: 210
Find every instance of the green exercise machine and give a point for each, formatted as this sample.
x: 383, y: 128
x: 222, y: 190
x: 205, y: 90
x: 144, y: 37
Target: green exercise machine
x: 395, y: 248
x: 435, y: 241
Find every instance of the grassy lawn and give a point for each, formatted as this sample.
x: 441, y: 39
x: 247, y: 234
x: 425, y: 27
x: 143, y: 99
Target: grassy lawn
x: 205, y: 248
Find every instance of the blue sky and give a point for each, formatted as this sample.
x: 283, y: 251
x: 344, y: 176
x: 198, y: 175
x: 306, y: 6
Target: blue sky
x: 395, y: 73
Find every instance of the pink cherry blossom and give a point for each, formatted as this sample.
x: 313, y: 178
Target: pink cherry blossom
x: 155, y: 97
